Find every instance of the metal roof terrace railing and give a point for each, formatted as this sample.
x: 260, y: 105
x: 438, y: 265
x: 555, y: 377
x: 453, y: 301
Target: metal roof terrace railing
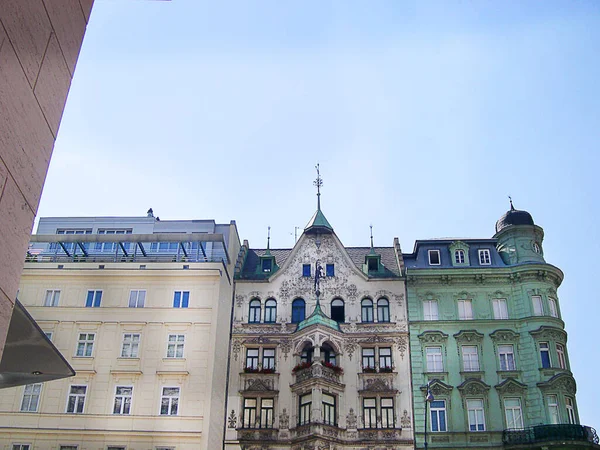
x: 159, y: 247
x: 545, y: 433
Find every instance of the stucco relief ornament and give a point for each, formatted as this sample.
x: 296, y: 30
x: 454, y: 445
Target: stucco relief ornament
x: 236, y: 346
x: 232, y: 420
x: 284, y: 419
x: 405, y: 420
x: 286, y: 346
x: 239, y: 300
x: 401, y: 343
x: 350, y: 346
x: 351, y: 419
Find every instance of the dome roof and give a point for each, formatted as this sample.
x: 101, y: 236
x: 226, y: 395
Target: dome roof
x: 513, y: 217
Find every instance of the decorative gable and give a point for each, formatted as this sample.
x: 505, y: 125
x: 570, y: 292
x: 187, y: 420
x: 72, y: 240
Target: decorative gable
x: 473, y: 386
x: 459, y: 254
x: 511, y: 386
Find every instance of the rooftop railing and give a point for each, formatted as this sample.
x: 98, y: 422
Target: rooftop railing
x: 545, y: 433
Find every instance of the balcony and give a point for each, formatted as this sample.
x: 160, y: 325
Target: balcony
x: 317, y: 370
x: 546, y: 433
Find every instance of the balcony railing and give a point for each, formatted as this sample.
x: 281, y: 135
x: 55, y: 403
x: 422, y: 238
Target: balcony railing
x: 543, y: 433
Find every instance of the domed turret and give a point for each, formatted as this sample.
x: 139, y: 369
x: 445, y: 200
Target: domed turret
x: 513, y: 217
x: 519, y: 238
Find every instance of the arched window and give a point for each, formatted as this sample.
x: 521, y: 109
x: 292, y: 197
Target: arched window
x: 337, y: 310
x: 307, y: 354
x: 254, y: 316
x: 367, y: 310
x: 270, y: 311
x: 298, y: 310
x: 459, y: 256
x: 328, y: 354
x: 383, y: 310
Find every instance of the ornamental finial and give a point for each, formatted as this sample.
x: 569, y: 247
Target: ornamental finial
x: 371, y: 227
x: 268, y: 237
x: 512, y: 208
x: 318, y: 183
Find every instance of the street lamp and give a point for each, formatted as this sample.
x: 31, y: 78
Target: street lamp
x: 428, y: 399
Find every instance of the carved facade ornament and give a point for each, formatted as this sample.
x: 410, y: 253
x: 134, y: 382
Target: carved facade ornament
x: 232, y: 420
x: 430, y: 337
x: 351, y: 419
x: 239, y: 300
x: 402, y: 344
x: 259, y: 340
x: 473, y: 386
x: 377, y: 385
x: 498, y: 294
x: 504, y: 336
x: 550, y: 333
x: 562, y: 382
x: 463, y: 295
x: 285, y: 345
x: 511, y: 386
x: 284, y: 420
x: 468, y: 336
x: 350, y: 346
x: 236, y: 346
x: 405, y: 420
x: 259, y: 384
x: 437, y: 388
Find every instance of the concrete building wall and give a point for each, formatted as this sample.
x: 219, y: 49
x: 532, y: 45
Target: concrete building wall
x: 39, y: 46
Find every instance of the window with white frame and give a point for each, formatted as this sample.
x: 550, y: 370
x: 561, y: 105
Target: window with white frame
x: 560, y: 352
x: 52, y: 297
x: 305, y: 405
x: 430, y: 310
x: 506, y: 356
x: 538, y: 308
x: 76, y: 399
x: 131, y: 345
x: 181, y: 299
x: 169, y: 401
x: 175, y: 345
x: 21, y: 446
x: 434, y: 359
x: 85, y: 344
x: 513, y: 413
x: 437, y: 410
x: 470, y: 358
x: 370, y: 412
x: 485, y: 258
x: 545, y: 355
x: 459, y: 256
x: 553, y: 412
x: 500, y: 308
x: 465, y: 310
x: 93, y: 299
x: 122, y: 403
x: 31, y: 397
x: 552, y: 306
x: 476, y: 415
x: 569, y: 404
x: 434, y: 257
x: 137, y: 298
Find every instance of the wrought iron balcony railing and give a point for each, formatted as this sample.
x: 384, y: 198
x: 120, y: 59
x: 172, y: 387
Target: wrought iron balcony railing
x: 544, y: 433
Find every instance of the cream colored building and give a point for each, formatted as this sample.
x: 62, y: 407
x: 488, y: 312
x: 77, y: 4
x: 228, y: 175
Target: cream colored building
x: 319, y: 362
x: 141, y: 310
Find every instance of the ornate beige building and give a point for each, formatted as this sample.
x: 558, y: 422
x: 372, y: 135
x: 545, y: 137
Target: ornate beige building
x: 138, y: 307
x: 319, y: 354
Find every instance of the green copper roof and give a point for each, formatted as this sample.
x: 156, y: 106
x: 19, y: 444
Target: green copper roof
x: 318, y: 220
x: 318, y: 317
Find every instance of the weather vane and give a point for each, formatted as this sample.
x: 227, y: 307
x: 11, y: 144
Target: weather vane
x: 511, y: 203
x: 318, y: 183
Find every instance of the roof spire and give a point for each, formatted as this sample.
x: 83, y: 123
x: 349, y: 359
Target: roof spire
x: 512, y: 208
x: 371, y: 227
x: 318, y: 183
x: 268, y: 252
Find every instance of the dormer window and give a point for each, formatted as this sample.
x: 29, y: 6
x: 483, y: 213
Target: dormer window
x: 459, y: 253
x: 372, y: 265
x: 459, y: 256
x: 434, y: 257
x: 484, y: 257
x: 267, y: 265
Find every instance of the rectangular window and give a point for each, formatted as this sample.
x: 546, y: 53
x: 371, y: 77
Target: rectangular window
x: 175, y: 345
x: 268, y: 361
x: 93, y: 299
x: 470, y: 358
x: 249, y: 413
x: 137, y: 299
x: 553, y: 414
x: 85, y: 344
x: 570, y: 410
x: 434, y: 359
x: 465, y: 310
x: 513, y: 413
x: 330, y: 270
x: 252, y: 358
x: 500, y: 308
x: 306, y: 270
x: 31, y: 397
x: 370, y: 412
x: 68, y: 447
x: 387, y: 413
x: 459, y: 256
x: 560, y: 352
x: 484, y: 257
x: 328, y: 409
x: 538, y: 309
x: 267, y: 265
x: 266, y: 412
x: 169, y: 401
x: 130, y: 346
x: 305, y: 409
x: 507, y: 357
x: 476, y: 416
x: 368, y: 358
x: 76, y: 400
x: 385, y: 358
x: 52, y: 297
x: 21, y: 446
x: 553, y: 307
x: 181, y: 299
x: 434, y: 257
x: 122, y: 404
x: 430, y: 310
x: 545, y: 355
x: 437, y: 410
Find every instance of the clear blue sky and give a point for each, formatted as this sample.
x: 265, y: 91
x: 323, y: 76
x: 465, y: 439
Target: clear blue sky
x: 424, y: 116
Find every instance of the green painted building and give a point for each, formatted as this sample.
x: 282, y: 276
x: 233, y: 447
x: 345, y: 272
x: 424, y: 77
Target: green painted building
x: 487, y: 339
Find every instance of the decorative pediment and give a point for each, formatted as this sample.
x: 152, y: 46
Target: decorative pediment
x: 473, y: 386
x: 437, y: 387
x: 463, y: 295
x: 550, y: 334
x: 459, y: 245
x: 259, y: 340
x: 259, y: 385
x: 504, y: 336
x: 511, y: 386
x: 562, y: 382
x: 437, y: 337
x: 468, y: 336
x: 377, y: 385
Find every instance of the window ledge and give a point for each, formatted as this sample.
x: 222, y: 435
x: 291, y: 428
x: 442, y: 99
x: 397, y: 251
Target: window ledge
x: 173, y: 359
x: 83, y: 358
x: 123, y: 358
x: 508, y: 373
